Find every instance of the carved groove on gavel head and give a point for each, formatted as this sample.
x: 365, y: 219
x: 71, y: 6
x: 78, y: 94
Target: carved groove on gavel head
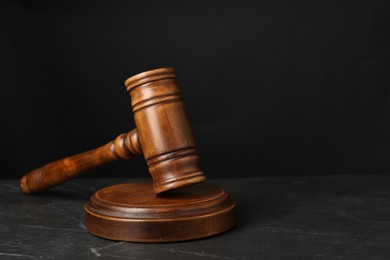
x: 164, y: 129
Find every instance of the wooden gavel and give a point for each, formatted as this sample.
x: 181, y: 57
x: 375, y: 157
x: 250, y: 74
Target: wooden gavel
x: 163, y: 135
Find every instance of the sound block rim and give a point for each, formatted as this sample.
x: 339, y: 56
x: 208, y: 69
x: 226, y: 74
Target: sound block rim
x: 133, y: 212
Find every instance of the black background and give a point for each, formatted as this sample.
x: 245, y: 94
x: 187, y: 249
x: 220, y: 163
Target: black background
x: 271, y: 87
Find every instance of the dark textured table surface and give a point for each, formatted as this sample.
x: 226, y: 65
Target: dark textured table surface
x: 318, y: 217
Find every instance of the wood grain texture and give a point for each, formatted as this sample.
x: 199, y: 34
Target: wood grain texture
x: 132, y: 212
x: 164, y: 129
x: 125, y: 146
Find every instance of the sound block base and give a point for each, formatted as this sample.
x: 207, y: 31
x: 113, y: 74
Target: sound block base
x: 133, y: 212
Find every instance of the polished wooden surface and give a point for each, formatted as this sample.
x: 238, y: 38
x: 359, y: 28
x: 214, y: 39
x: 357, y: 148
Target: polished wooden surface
x: 163, y: 131
x: 132, y: 212
x: 125, y: 146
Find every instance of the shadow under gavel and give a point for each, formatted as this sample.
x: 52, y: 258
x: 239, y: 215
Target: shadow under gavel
x: 163, y: 135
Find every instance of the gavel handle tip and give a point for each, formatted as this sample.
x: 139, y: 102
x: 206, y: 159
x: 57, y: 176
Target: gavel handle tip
x: 24, y: 187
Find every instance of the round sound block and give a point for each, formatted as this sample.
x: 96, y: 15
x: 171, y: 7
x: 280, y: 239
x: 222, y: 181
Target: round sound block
x: 133, y: 212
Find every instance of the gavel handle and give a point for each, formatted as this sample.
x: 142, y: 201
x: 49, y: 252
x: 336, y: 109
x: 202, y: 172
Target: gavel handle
x: 125, y: 146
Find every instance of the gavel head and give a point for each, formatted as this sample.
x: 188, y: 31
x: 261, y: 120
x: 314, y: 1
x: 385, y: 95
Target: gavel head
x: 164, y: 129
